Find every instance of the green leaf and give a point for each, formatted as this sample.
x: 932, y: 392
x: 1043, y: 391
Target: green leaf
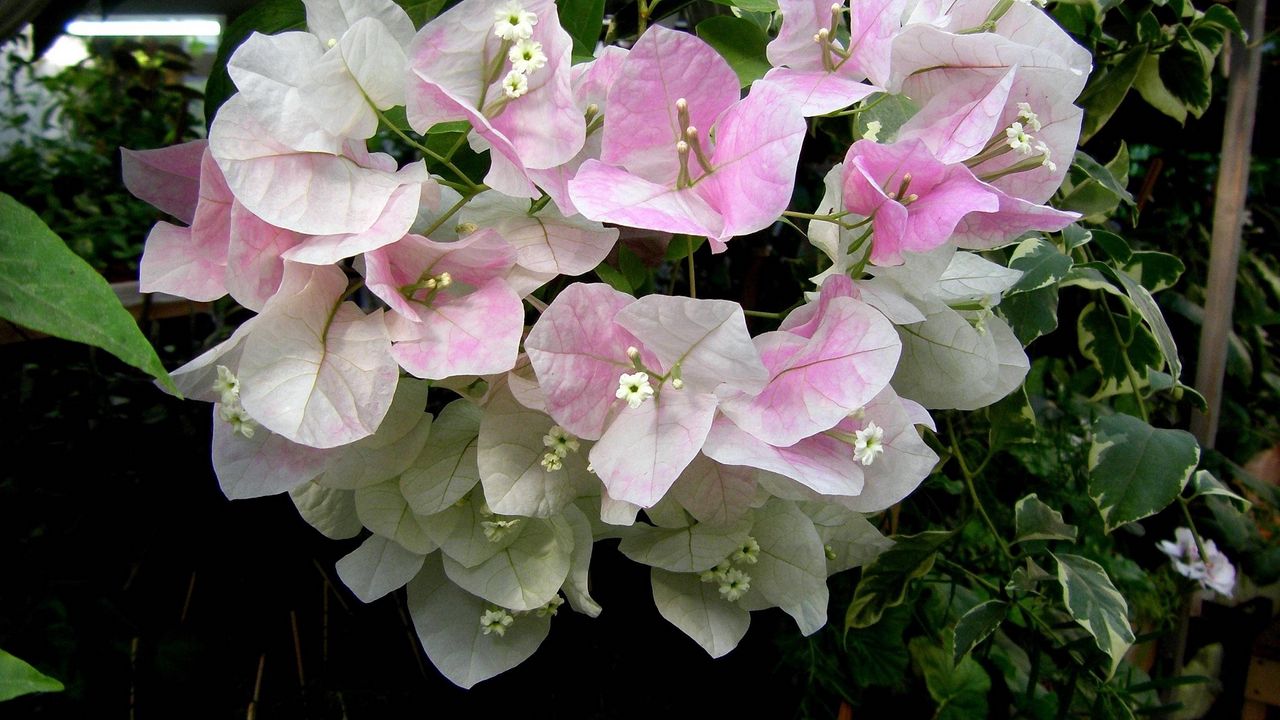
x: 583, y: 20
x: 1185, y: 70
x: 633, y: 268
x: 891, y: 111
x: 1152, y: 89
x: 420, y: 11
x: 1012, y: 420
x: 752, y: 5
x: 959, y: 689
x: 1041, y: 263
x: 614, y: 278
x: 267, y: 17
x: 1203, y: 483
x: 878, y: 652
x: 1146, y: 306
x: 1031, y: 314
x: 974, y: 626
x: 47, y: 288
x: 19, y: 678
x: 1073, y: 236
x: 1135, y: 470
x: 1108, y: 351
x: 678, y: 248
x: 1154, y: 270
x: 1116, y: 247
x: 885, y: 581
x: 741, y: 42
x: 1033, y: 520
x: 1101, y: 98
x: 1095, y: 605
x: 1221, y: 16
x: 1101, y: 175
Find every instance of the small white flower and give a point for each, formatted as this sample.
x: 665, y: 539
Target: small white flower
x: 552, y: 606
x: 560, y: 441
x: 1031, y: 120
x: 526, y: 56
x: 239, y: 419
x: 1044, y: 156
x: 734, y: 584
x: 634, y: 388
x: 495, y: 530
x: 873, y: 131
x: 1018, y: 139
x: 515, y: 84
x: 716, y: 573
x: 496, y: 621
x: 749, y: 553
x: 552, y: 461
x: 227, y: 386
x: 513, y: 22
x: 868, y: 443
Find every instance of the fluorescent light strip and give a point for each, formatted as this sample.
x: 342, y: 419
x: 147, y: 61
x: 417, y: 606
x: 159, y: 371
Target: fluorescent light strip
x: 148, y: 27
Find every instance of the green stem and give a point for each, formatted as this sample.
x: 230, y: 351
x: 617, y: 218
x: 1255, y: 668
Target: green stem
x: 973, y: 491
x: 693, y: 282
x: 447, y: 214
x: 470, y: 185
x: 973, y: 576
x: 1195, y: 534
x: 1128, y: 366
x: 763, y: 314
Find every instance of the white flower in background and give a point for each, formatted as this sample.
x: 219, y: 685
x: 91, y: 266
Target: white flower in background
x: 513, y: 22
x: 496, y: 621
x: 634, y: 388
x: 1018, y: 138
x: 515, y: 84
x: 526, y: 56
x: 227, y: 386
x: 1215, y: 572
x: 868, y: 443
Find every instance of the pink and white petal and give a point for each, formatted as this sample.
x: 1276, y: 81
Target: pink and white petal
x: 271, y: 72
x: 794, y: 46
x: 926, y: 60
x: 168, y: 178
x: 873, y: 24
x: 707, y: 338
x: 906, y: 461
x: 175, y: 263
x: 957, y: 123
x: 332, y: 18
x: 578, y: 353
x: 610, y: 194
x: 714, y: 493
x: 508, y: 177
x: 755, y: 159
x: 933, y: 218
x: 818, y: 92
x: 308, y: 192
x: 317, y: 371
x: 646, y: 448
x: 983, y: 230
x: 805, y: 320
x: 817, y: 383
x: 641, y: 128
x: 821, y: 463
x: 547, y: 243
x: 262, y: 465
x: 254, y: 263
x: 473, y: 334
x: 195, y: 380
x: 394, y: 223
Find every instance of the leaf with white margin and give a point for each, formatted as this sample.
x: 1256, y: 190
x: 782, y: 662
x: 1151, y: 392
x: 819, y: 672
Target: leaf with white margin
x: 547, y: 243
x: 698, y: 610
x: 509, y: 459
x: 447, y: 619
x: 331, y: 512
x: 577, y: 585
x: 970, y: 277
x: 646, y: 448
x: 688, y: 549
x: 391, y: 450
x: 446, y: 470
x: 791, y: 569
x: 378, y: 567
x: 707, y: 338
x: 460, y: 532
x: 714, y: 493
x: 317, y: 371
x: 384, y: 511
x: 1096, y: 605
x: 265, y: 464
x: 524, y: 575
x: 852, y: 539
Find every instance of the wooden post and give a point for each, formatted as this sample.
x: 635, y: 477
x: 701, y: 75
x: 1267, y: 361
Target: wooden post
x: 1228, y: 216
